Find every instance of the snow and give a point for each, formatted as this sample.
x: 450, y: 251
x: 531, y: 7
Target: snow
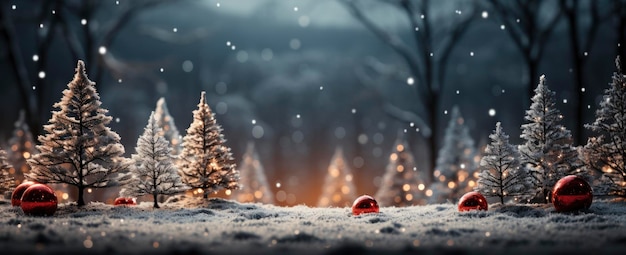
x: 220, y: 226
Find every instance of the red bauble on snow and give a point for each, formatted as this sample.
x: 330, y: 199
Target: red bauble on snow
x: 571, y: 193
x: 364, y: 204
x: 472, y: 201
x: 124, y: 201
x: 39, y: 200
x: 16, y: 197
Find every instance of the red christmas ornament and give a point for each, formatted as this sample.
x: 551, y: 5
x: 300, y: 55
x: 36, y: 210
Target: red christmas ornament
x: 571, y: 193
x: 124, y: 201
x: 16, y: 197
x: 39, y: 200
x: 473, y: 201
x: 364, y: 204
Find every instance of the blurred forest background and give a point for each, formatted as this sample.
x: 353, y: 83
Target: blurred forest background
x: 302, y: 77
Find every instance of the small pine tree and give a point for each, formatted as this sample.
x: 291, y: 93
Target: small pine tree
x: 153, y: 170
x: 502, y: 175
x: 457, y: 162
x: 168, y: 128
x: 7, y: 183
x: 338, y: 189
x: 254, y: 186
x: 547, y: 151
x: 606, y: 152
x: 402, y: 184
x: 206, y: 162
x: 22, y: 147
x: 78, y: 148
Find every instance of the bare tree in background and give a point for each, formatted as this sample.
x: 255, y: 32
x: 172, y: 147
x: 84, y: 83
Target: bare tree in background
x: 583, y: 20
x: 619, y: 16
x: 426, y: 57
x: 80, y: 26
x: 529, y: 23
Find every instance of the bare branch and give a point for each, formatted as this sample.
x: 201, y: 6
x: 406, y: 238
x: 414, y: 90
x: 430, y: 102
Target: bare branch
x: 392, y: 40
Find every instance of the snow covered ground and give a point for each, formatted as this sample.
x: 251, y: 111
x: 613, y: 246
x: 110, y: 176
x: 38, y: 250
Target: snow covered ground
x: 226, y: 227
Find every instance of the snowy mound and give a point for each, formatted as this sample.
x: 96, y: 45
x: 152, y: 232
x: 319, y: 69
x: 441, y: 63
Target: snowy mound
x: 220, y: 226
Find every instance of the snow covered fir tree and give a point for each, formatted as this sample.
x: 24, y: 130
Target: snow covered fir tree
x: 152, y: 166
x: 605, y: 152
x: 254, y: 187
x: 21, y: 148
x: 78, y: 148
x: 547, y: 149
x: 402, y: 184
x: 206, y: 163
x: 7, y: 182
x: 501, y: 173
x: 338, y: 189
x: 168, y: 128
x: 456, y: 170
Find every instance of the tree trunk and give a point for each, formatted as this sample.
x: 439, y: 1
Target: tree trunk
x: 155, y: 196
x: 81, y: 192
x: 577, y: 70
x: 431, y: 141
x: 205, y: 194
x: 533, y: 78
x: 502, y: 199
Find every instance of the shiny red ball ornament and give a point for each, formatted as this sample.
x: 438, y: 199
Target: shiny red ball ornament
x: 16, y: 197
x: 473, y: 201
x: 124, y: 201
x: 571, y: 193
x: 39, y: 200
x: 364, y: 204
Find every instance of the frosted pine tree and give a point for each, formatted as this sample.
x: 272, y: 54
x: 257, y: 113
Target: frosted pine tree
x: 168, y: 128
x: 206, y: 163
x: 7, y: 183
x: 402, y: 184
x: 153, y: 171
x: 457, y: 165
x: 501, y: 173
x: 338, y: 189
x: 78, y: 148
x: 254, y: 186
x: 606, y: 152
x: 21, y: 148
x: 547, y: 151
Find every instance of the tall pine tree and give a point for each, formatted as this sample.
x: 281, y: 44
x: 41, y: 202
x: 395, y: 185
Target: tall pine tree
x: 254, y: 186
x: 502, y: 175
x: 78, y: 148
x: 402, y: 184
x: 168, y: 128
x: 206, y: 163
x: 7, y: 183
x: 457, y: 162
x: 606, y: 152
x: 338, y: 189
x: 547, y: 150
x: 153, y: 171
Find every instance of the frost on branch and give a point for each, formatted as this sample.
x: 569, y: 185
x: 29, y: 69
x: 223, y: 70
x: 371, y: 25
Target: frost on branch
x: 168, y: 128
x: 21, y: 148
x: 153, y: 171
x: 7, y: 183
x: 547, y: 150
x: 338, y: 189
x: 455, y: 173
x: 78, y: 148
x: 254, y: 186
x: 206, y: 163
x: 501, y: 172
x: 606, y: 151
